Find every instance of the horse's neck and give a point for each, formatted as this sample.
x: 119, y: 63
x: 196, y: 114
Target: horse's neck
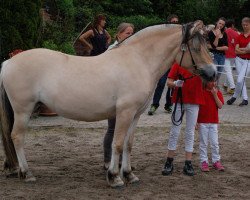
x: 159, y: 49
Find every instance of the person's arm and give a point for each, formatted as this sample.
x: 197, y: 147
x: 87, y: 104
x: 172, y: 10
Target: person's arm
x: 83, y: 38
x: 222, y: 48
x: 216, y: 98
x: 239, y: 50
x: 108, y: 38
x: 224, y: 42
x: 171, y: 83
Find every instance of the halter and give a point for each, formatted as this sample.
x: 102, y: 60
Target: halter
x: 184, y: 47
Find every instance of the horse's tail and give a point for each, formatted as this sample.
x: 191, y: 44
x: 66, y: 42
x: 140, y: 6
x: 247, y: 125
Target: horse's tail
x: 6, y: 125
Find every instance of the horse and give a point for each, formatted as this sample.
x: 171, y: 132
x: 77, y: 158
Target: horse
x: 118, y: 83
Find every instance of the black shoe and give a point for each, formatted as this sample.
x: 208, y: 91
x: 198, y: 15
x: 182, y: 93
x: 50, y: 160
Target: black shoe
x: 152, y: 110
x: 168, y: 167
x: 243, y: 103
x: 168, y: 109
x: 188, y: 168
x: 231, y: 101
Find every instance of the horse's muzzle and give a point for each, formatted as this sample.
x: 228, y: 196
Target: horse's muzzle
x: 208, y: 72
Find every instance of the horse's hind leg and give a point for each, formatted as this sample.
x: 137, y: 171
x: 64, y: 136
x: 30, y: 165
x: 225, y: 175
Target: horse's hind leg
x: 17, y: 135
x: 126, y: 171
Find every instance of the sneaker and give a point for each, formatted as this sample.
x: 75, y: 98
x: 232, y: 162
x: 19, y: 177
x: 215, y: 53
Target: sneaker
x: 152, y: 110
x: 168, y: 167
x: 168, y: 109
x: 188, y: 168
x: 225, y: 87
x: 231, y: 91
x: 218, y: 166
x: 204, y: 167
x: 243, y: 103
x: 231, y: 101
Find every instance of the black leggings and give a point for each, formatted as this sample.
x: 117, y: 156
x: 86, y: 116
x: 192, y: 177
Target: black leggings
x: 108, y: 139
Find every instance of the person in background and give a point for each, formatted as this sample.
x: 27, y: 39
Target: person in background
x: 208, y: 119
x: 218, y: 44
x: 124, y: 30
x: 172, y: 19
x: 97, y: 38
x: 192, y: 98
x: 242, y: 61
x: 230, y: 56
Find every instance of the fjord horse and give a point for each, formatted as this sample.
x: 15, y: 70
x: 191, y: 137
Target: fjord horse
x: 118, y: 83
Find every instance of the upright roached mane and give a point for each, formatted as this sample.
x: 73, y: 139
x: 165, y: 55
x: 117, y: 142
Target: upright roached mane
x: 118, y: 83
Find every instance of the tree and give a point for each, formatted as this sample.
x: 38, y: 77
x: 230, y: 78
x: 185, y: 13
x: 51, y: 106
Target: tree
x: 20, y: 22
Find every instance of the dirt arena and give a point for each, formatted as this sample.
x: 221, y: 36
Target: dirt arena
x: 66, y: 158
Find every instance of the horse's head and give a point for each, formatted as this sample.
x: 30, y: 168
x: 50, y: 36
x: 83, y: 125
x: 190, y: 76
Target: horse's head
x: 194, y: 54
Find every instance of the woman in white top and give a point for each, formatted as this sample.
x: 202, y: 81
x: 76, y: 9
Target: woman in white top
x: 124, y: 30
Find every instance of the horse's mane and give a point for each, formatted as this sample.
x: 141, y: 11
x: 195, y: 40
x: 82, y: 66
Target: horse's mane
x: 145, y: 30
x: 197, y: 37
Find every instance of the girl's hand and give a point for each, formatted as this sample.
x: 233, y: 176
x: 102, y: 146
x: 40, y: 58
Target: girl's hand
x: 214, y: 90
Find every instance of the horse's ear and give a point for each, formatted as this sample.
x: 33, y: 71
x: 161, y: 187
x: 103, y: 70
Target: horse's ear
x: 198, y: 27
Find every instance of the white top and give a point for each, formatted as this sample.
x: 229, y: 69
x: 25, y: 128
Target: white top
x: 113, y: 45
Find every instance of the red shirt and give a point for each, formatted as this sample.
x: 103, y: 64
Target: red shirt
x: 231, y: 39
x: 243, y: 42
x: 192, y: 87
x: 208, y: 113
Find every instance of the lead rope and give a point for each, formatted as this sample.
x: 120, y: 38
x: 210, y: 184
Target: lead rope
x: 175, y: 121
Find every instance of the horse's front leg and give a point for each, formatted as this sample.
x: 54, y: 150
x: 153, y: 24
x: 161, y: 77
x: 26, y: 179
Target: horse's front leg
x: 124, y: 119
x: 126, y: 171
x: 17, y: 136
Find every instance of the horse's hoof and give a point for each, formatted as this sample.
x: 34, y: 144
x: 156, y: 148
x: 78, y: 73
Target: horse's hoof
x: 30, y: 179
x: 26, y: 176
x: 114, y: 181
x: 12, y: 174
x: 130, y: 178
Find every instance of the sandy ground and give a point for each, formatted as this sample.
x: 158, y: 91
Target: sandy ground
x: 67, y: 158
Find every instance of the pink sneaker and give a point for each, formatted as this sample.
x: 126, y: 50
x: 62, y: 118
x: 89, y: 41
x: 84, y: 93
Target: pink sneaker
x: 204, y: 166
x: 218, y: 166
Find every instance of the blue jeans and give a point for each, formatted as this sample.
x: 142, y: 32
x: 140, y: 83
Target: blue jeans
x: 219, y: 59
x: 159, y: 90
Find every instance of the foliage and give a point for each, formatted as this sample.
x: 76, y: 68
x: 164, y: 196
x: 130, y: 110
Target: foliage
x: 68, y: 17
x: 20, y: 22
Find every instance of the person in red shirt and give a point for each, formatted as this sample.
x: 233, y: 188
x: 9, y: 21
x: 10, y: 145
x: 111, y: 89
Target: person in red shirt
x: 230, y: 56
x: 242, y: 49
x: 208, y: 120
x: 192, y: 97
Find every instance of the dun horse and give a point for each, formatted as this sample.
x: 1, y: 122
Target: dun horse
x: 117, y: 83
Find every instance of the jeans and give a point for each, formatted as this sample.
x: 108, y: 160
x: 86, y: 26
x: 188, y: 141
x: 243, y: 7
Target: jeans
x: 243, y: 69
x: 159, y: 90
x: 219, y: 59
x: 108, y: 139
x: 229, y: 80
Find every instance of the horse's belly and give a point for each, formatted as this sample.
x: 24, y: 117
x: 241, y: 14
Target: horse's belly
x: 86, y: 111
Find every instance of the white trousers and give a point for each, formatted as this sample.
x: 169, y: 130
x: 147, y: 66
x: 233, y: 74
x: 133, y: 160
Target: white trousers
x: 229, y: 80
x: 209, y: 132
x: 243, y: 69
x: 191, y: 112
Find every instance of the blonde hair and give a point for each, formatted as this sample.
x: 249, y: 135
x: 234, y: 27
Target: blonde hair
x: 122, y: 27
x: 246, y: 19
